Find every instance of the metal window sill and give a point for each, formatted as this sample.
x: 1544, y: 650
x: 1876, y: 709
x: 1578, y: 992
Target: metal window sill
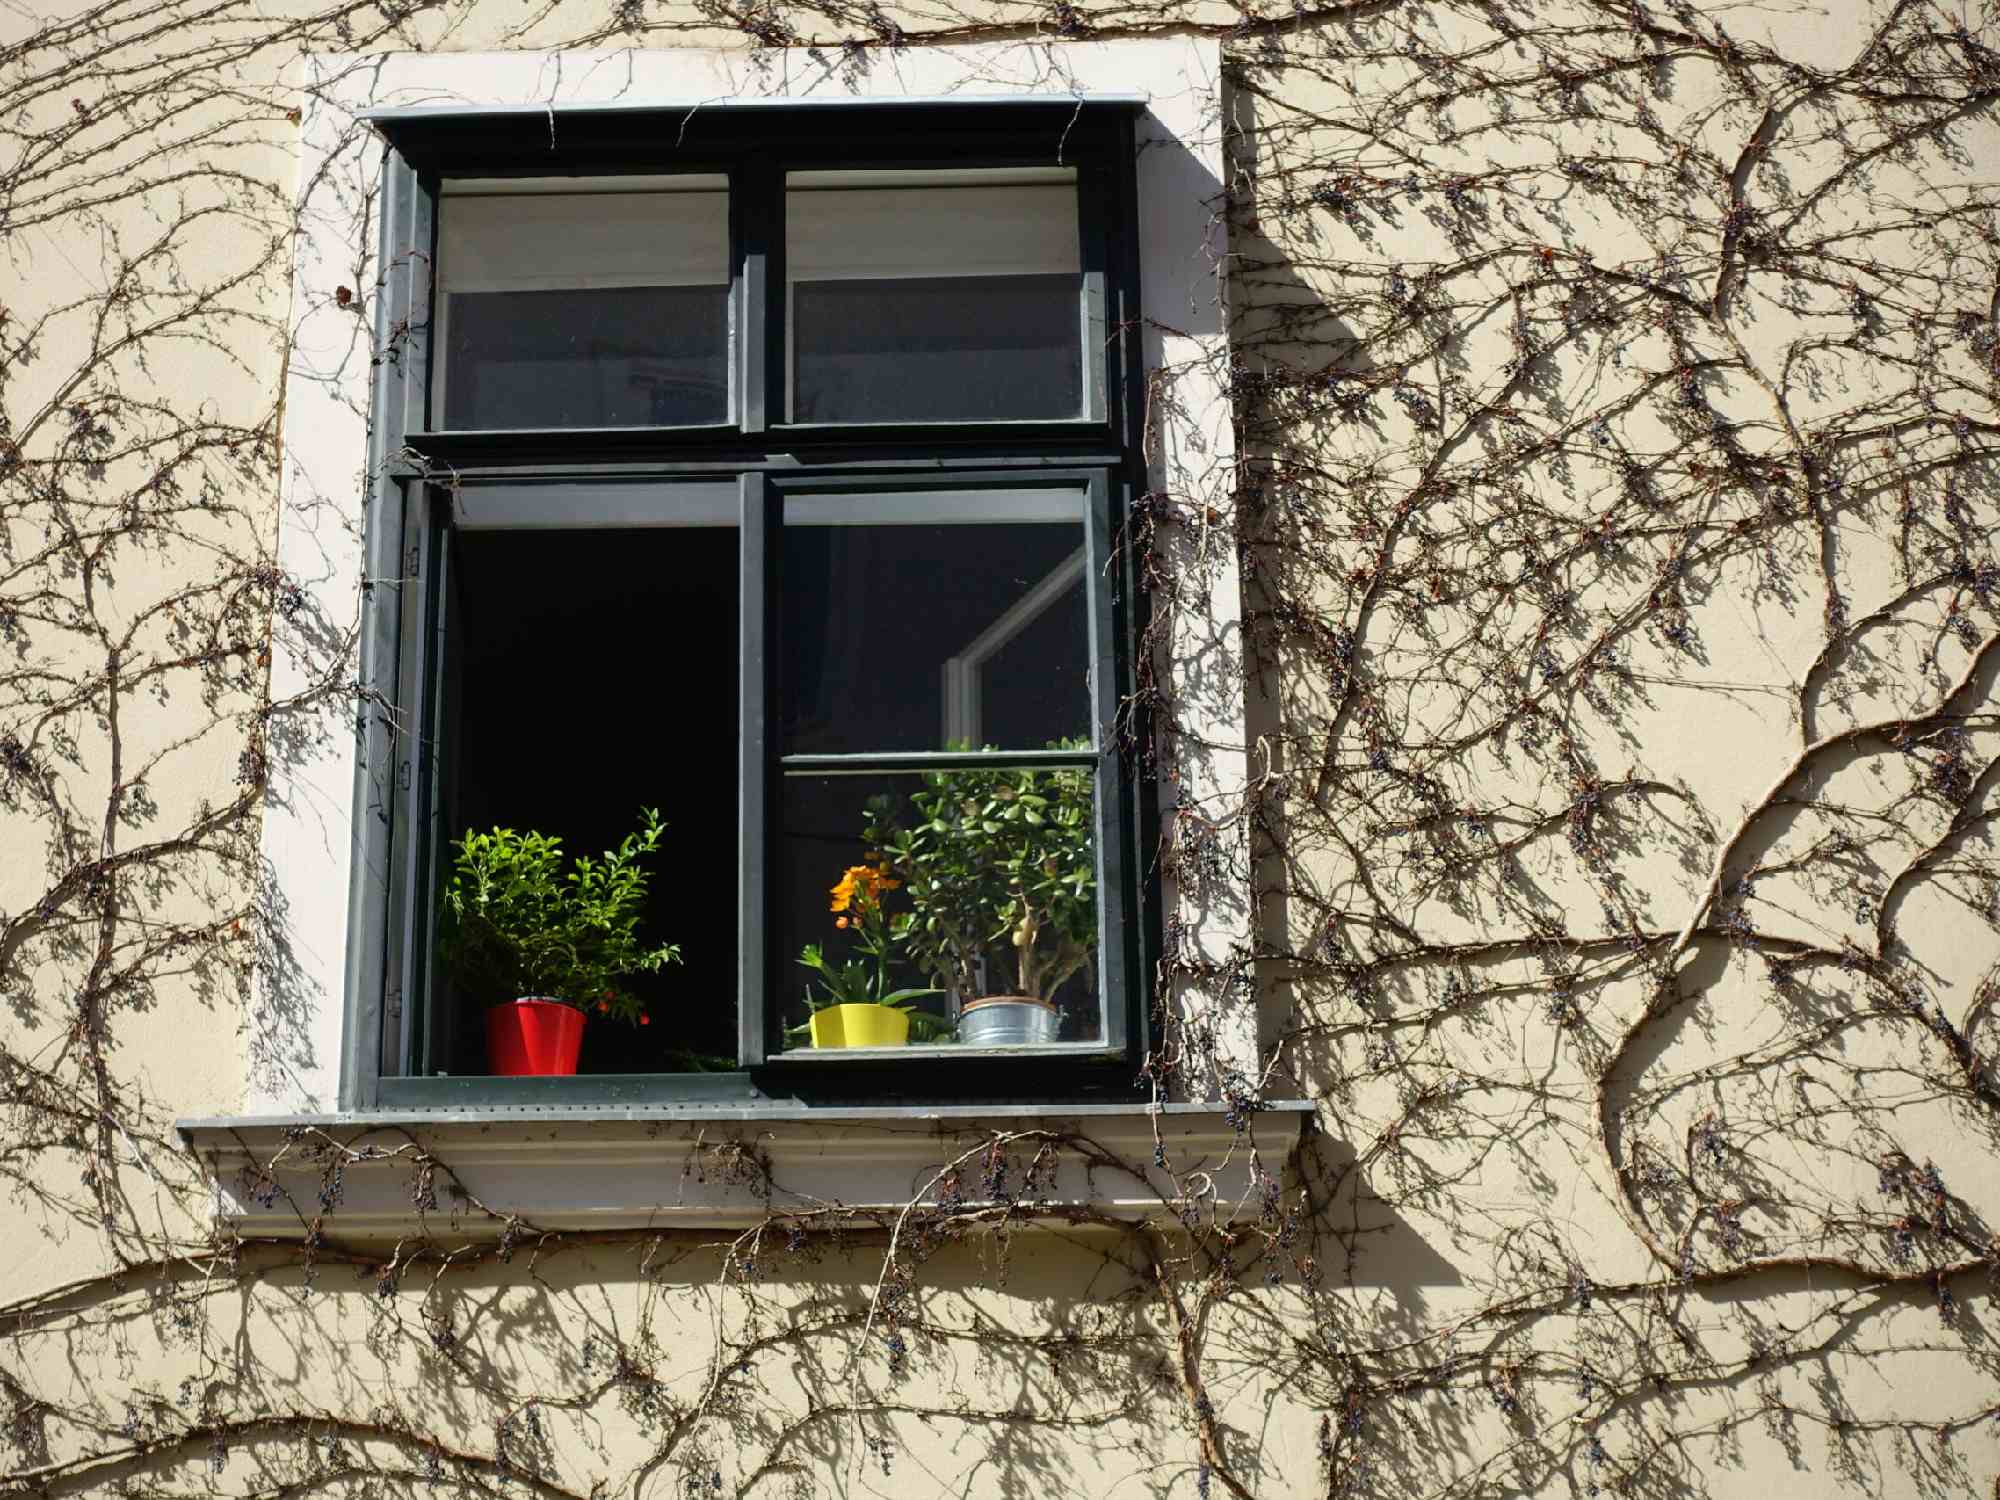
x: 471, y: 1175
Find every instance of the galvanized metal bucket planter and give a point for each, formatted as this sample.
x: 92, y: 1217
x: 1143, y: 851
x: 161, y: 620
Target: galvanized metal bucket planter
x: 1007, y: 1021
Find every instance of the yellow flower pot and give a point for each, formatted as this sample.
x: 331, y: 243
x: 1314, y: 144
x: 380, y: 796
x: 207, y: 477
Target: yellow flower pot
x: 860, y: 1026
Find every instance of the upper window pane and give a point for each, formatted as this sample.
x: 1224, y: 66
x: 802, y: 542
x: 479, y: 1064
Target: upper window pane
x: 934, y: 620
x: 934, y: 296
x: 578, y: 302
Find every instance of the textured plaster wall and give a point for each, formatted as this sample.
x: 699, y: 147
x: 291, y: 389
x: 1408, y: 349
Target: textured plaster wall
x: 1607, y: 1199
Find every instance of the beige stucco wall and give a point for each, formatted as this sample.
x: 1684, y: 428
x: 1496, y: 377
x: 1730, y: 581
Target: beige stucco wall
x: 1601, y: 1198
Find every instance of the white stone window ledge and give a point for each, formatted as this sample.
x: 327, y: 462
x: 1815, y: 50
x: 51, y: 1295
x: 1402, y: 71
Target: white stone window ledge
x: 514, y: 1172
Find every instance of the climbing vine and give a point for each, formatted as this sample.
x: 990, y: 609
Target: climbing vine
x: 1615, y: 500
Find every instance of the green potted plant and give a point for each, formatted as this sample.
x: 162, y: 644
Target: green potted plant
x: 996, y: 860
x: 855, y: 1006
x: 545, y: 940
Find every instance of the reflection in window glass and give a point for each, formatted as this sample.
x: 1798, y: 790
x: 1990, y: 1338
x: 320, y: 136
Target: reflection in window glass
x: 938, y: 349
x: 942, y: 297
x: 582, y: 309
x: 902, y: 636
x: 608, y: 357
x: 965, y: 900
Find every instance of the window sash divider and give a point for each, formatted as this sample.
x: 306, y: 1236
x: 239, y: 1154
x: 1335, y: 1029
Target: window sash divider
x: 760, y: 260
x: 1116, y: 973
x: 409, y: 792
x: 427, y: 856
x: 760, y: 504
x: 956, y: 1055
x: 415, y: 301
x: 573, y: 436
x: 1093, y: 240
x: 1137, y: 840
x: 868, y: 762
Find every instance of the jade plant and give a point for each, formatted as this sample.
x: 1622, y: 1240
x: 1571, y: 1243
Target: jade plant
x: 992, y: 856
x: 521, y: 920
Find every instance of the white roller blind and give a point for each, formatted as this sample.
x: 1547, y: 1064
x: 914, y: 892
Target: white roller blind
x: 532, y: 241
x: 1015, y: 229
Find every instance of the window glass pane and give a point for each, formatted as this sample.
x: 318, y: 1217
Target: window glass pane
x: 938, y: 349
x: 582, y: 309
x: 607, y: 357
x: 948, y: 297
x: 905, y: 634
x: 544, y: 725
x: 965, y: 898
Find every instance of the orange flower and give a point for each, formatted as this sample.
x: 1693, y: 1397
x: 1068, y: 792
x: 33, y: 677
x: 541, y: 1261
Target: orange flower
x: 860, y: 889
x: 840, y: 921
x: 843, y: 893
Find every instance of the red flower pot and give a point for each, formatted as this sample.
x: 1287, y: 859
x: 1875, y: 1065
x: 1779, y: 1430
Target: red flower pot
x: 533, y: 1038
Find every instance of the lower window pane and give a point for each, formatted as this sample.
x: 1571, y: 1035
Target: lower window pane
x: 557, y: 648
x: 938, y: 909
x: 645, y: 356
x: 938, y: 349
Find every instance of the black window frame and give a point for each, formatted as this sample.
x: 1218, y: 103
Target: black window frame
x: 416, y: 473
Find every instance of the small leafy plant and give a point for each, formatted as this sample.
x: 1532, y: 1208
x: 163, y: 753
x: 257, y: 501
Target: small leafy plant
x: 518, y: 923
x: 992, y: 855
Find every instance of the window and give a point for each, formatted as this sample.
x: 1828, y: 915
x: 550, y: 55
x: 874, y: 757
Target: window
x: 764, y: 466
x: 949, y: 296
x: 580, y: 302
